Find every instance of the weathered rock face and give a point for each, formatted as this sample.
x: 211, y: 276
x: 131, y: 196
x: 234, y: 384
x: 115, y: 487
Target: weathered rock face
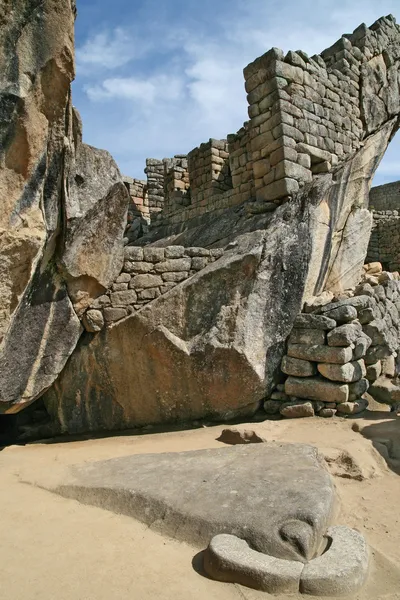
x: 63, y: 203
x: 211, y: 347
x: 36, y: 67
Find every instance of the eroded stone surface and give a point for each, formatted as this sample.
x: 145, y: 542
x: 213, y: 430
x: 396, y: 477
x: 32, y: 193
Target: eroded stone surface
x: 195, y: 495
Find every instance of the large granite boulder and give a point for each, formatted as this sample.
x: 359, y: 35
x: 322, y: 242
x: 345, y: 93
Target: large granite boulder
x: 212, y: 346
x: 63, y: 203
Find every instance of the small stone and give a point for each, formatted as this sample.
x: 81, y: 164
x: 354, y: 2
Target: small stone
x: 101, y: 301
x: 174, y: 251
x: 199, y: 263
x: 119, y: 287
x: 233, y: 436
x: 271, y: 407
x: 307, y: 336
x: 389, y: 366
x: 198, y: 252
x: 327, y: 413
x: 298, y: 367
x: 297, y: 411
x: 374, y: 371
x: 149, y: 294
x: 352, y: 371
x: 361, y: 346
x: 279, y: 395
x: 93, y: 320
x: 138, y: 267
x: 353, y: 408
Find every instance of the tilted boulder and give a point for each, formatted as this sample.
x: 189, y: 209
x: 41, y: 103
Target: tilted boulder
x: 63, y: 203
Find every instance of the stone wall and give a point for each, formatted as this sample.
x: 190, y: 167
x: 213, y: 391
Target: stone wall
x: 147, y: 274
x: 340, y: 350
x: 308, y: 115
x: 384, y: 245
x: 176, y: 183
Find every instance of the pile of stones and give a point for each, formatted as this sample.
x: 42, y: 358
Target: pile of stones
x: 147, y: 273
x: 339, y: 349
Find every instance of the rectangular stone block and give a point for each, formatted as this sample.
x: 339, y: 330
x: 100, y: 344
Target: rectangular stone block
x: 307, y: 321
x: 138, y: 267
x: 298, y: 367
x: 133, y: 253
x: 153, y: 254
x: 173, y: 265
x: 114, y: 314
x: 310, y: 337
x: 317, y: 388
x: 175, y: 277
x: 145, y: 281
x: 149, y: 294
x: 123, y: 298
x: 323, y: 354
x: 348, y: 373
x: 174, y: 251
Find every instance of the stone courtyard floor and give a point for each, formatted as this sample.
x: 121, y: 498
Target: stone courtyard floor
x: 52, y: 547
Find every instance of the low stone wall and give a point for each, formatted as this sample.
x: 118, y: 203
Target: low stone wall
x: 339, y: 351
x: 385, y: 197
x: 147, y: 274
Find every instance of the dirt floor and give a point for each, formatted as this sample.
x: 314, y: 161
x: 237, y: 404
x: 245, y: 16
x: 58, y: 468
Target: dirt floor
x: 54, y: 548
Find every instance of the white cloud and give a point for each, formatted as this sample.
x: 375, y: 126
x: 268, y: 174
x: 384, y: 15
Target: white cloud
x: 143, y: 91
x: 109, y: 50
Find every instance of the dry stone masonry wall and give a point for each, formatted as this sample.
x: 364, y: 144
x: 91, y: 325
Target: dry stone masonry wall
x: 342, y: 349
x: 147, y: 274
x: 384, y: 244
x: 307, y: 116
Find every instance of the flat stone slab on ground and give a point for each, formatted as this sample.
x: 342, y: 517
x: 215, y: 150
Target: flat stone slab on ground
x: 279, y: 498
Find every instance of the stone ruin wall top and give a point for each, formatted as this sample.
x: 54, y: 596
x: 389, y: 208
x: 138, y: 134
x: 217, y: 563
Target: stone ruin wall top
x: 307, y: 115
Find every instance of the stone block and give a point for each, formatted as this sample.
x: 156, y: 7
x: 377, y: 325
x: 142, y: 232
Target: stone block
x: 361, y: 346
x: 308, y: 321
x: 123, y: 298
x: 153, y: 254
x: 298, y: 367
x: 344, y: 335
x: 353, y: 408
x: 139, y: 267
x: 374, y: 371
x: 101, y: 302
x: 175, y: 277
x: 297, y: 410
x: 173, y: 265
x: 93, y: 320
x: 133, y: 253
x: 123, y: 278
x: 145, y: 281
x: 327, y: 413
x: 149, y: 294
x: 114, y: 314
x: 278, y: 189
x: 317, y: 388
x: 197, y: 252
x: 322, y: 354
x: 307, y: 336
x: 174, y: 251
x: 357, y: 389
x: 348, y: 373
x: 199, y: 262
x: 342, y: 314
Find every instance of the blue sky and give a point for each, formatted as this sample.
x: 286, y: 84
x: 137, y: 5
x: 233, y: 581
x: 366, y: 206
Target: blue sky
x: 157, y: 77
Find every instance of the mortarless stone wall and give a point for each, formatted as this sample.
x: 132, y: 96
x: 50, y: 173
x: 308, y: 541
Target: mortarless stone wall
x: 307, y: 116
x: 384, y: 245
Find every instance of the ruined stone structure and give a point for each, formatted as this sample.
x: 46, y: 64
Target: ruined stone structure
x: 384, y: 244
x: 224, y: 247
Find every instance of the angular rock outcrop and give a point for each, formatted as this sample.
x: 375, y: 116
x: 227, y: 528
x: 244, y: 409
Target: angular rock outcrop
x: 63, y: 203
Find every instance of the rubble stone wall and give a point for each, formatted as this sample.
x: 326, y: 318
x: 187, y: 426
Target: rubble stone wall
x: 340, y: 350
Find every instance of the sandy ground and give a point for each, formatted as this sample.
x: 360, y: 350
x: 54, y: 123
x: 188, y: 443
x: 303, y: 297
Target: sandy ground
x: 54, y: 548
